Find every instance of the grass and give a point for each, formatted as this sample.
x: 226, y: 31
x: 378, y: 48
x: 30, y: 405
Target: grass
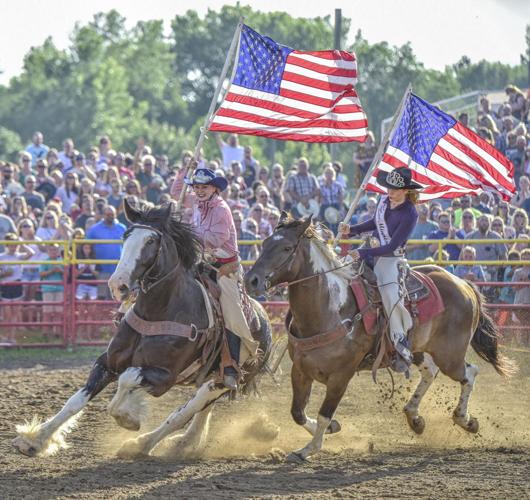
x: 19, y: 357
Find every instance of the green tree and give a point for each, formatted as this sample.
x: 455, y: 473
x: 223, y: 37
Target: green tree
x: 10, y: 144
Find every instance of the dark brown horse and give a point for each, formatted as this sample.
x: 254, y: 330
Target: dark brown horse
x: 324, y: 303
x: 161, y: 254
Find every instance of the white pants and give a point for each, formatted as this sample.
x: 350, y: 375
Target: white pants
x: 233, y: 315
x: 387, y: 271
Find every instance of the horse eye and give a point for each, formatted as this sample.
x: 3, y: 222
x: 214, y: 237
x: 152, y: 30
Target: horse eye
x: 150, y: 241
x: 287, y: 249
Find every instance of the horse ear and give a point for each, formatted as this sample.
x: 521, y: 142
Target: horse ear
x: 305, y: 224
x: 131, y: 213
x: 284, y: 217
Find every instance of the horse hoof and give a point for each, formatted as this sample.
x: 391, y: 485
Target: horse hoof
x: 333, y: 427
x: 295, y: 458
x: 472, y: 426
x: 22, y: 446
x: 131, y: 449
x: 127, y: 422
x: 417, y: 424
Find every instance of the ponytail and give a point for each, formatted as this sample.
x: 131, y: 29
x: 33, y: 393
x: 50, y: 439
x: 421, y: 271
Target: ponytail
x: 413, y: 196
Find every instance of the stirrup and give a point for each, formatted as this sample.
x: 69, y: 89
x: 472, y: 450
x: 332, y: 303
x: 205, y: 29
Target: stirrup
x: 230, y: 382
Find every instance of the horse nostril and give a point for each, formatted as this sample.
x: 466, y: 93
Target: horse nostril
x: 254, y: 282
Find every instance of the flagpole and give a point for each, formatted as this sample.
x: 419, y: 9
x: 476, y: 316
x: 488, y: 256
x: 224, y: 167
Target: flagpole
x: 229, y: 56
x: 378, y: 155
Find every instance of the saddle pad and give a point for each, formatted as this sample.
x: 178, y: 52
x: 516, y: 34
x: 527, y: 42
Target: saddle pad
x: 426, y: 308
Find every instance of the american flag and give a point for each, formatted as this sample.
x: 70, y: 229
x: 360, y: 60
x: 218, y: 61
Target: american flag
x: 287, y: 94
x: 447, y: 158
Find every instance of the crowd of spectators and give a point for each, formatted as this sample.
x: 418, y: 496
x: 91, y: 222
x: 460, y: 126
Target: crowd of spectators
x: 60, y: 194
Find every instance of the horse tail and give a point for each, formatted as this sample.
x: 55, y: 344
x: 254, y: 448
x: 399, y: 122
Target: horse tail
x: 485, y: 341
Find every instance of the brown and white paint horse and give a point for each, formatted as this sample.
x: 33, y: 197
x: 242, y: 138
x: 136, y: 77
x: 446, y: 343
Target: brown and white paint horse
x: 324, y: 302
x: 161, y: 254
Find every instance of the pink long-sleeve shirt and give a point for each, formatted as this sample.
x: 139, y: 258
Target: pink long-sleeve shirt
x: 212, y: 221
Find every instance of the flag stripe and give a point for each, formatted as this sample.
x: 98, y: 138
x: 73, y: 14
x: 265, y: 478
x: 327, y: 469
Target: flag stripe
x: 320, y: 76
x: 297, y: 84
x: 330, y: 55
x: 296, y: 63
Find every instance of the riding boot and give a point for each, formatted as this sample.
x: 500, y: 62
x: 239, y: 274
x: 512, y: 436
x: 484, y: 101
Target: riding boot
x: 230, y: 373
x: 402, y: 359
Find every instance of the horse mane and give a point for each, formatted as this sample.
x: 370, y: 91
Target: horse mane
x: 314, y: 234
x: 166, y: 220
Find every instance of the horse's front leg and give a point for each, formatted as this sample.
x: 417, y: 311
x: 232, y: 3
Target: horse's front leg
x: 127, y: 405
x: 335, y: 388
x: 36, y: 438
x: 144, y: 444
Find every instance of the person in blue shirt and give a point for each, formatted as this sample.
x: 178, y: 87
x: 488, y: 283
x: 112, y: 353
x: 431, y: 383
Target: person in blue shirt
x: 107, y: 229
x: 445, y: 232
x: 37, y: 148
x: 471, y: 272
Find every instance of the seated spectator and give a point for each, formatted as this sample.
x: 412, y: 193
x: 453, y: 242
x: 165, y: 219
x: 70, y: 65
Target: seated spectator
x: 250, y: 166
x: 25, y: 167
x: 19, y: 209
x: 116, y: 195
x: 87, y: 211
x: 522, y: 194
x: 423, y: 228
x: 274, y: 218
x: 69, y: 192
x: 33, y: 198
x: 49, y: 225
x: 519, y: 247
x: 363, y: 156
x: 471, y: 272
x: 520, y: 222
x: 257, y: 214
x: 263, y: 197
x: 132, y: 188
x: 468, y: 224
x: 369, y: 213
x: 10, y: 186
x: 435, y: 209
x: 517, y: 101
x: 235, y: 200
x: 465, y: 204
x: 497, y: 225
x: 340, y: 177
x: 235, y: 174
x: 67, y: 155
x: 263, y: 175
x: 481, y: 202
x: 445, y: 232
x: 507, y: 293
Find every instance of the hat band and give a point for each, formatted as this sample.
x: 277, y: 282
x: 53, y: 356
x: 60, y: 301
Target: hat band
x: 202, y: 178
x: 395, y: 179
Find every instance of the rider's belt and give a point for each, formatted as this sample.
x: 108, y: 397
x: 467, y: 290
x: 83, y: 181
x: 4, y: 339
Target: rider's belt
x: 228, y: 260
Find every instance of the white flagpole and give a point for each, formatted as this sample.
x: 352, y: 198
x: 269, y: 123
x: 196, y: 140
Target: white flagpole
x: 230, y: 55
x: 382, y: 147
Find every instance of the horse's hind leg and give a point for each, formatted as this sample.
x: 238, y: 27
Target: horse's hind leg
x: 428, y: 371
x: 335, y: 388
x: 47, y: 438
x: 301, y: 385
x: 461, y: 416
x: 142, y: 445
x: 192, y: 442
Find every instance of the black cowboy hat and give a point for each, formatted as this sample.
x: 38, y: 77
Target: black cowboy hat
x: 399, y: 178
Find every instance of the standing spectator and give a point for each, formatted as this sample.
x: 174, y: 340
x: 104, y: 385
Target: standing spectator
x: 497, y: 225
x: 332, y: 196
x: 423, y: 228
x: 276, y: 185
x: 488, y: 251
x: 87, y: 211
x: 522, y: 194
x: 25, y: 167
x: 116, y: 196
x: 67, y: 155
x: 85, y: 271
x: 369, y: 212
x: 465, y: 202
x: 517, y: 101
x: 340, y: 177
x: 33, y: 198
x: 12, y: 274
x: 435, y: 209
x: 263, y: 197
x: 274, y: 218
x: 6, y: 226
x: 230, y: 150
x: 37, y: 149
x: 30, y: 272
x: 468, y: 224
x: 52, y: 158
x: 19, y: 209
x: 263, y: 226
x: 51, y: 292
x: 522, y: 293
x: 471, y: 272
x: 250, y: 166
x: 69, y: 192
x: 107, y: 229
x: 102, y: 186
x: 82, y: 169
x: 302, y: 186
x: 507, y: 293
x: 104, y: 150
x: 246, y: 252
x: 363, y: 157
x: 445, y: 232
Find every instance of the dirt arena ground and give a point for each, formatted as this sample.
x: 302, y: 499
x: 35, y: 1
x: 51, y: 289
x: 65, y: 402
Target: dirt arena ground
x: 374, y: 456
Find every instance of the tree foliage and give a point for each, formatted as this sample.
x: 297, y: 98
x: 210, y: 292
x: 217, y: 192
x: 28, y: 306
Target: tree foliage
x: 133, y: 82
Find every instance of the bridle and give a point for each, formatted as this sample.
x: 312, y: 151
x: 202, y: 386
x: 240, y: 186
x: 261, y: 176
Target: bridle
x: 290, y: 259
x: 142, y: 280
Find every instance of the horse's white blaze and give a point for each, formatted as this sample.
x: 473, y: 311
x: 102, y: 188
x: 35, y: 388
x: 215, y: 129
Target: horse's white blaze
x: 49, y: 437
x: 338, y: 282
x: 206, y: 394
x: 127, y: 400
x: 428, y: 371
x: 461, y: 415
x: 277, y: 237
x: 130, y: 255
x: 315, y: 445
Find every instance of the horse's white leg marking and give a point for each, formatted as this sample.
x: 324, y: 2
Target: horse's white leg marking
x: 142, y: 445
x: 461, y: 416
x: 49, y: 437
x: 428, y: 371
x: 126, y: 405
x: 315, y: 445
x: 310, y: 426
x: 192, y: 442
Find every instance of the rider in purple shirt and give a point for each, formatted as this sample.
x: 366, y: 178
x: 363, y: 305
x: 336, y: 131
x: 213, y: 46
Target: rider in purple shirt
x: 394, y: 220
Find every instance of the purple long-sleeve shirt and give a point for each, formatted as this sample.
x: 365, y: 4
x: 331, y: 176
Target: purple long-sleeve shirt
x: 400, y: 222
